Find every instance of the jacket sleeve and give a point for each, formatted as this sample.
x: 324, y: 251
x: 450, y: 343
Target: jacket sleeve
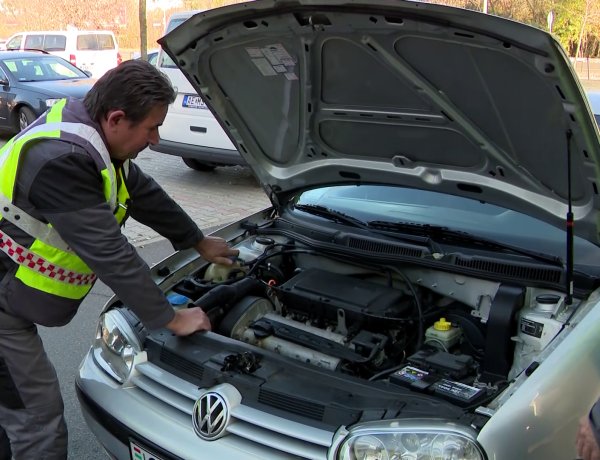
x: 151, y: 206
x: 595, y: 420
x: 67, y: 192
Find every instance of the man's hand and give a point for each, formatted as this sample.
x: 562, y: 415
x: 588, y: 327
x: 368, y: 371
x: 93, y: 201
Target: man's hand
x: 188, y: 321
x: 587, y: 447
x: 216, y: 250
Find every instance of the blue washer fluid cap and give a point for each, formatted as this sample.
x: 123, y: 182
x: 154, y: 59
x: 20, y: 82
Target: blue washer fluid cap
x: 177, y: 299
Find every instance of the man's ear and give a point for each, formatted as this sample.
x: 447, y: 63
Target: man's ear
x: 114, y: 117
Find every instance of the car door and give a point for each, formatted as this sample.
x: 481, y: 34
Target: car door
x: 7, y: 97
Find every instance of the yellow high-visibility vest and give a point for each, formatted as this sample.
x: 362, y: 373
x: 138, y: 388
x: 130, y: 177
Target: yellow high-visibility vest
x: 49, y: 265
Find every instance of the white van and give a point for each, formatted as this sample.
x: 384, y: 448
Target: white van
x: 190, y: 130
x: 93, y: 50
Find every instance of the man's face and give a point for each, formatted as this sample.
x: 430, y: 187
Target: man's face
x: 125, y: 139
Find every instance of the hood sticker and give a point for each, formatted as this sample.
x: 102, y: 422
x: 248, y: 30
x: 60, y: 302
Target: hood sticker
x: 273, y: 60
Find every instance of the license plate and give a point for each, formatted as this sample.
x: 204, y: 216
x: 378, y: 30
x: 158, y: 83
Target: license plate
x: 193, y: 101
x: 139, y: 453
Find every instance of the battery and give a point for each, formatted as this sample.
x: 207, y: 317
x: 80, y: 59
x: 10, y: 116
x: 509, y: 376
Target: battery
x: 457, y: 392
x: 412, y: 377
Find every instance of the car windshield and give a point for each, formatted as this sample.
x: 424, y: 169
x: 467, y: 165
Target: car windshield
x: 42, y: 68
x: 378, y: 206
x: 165, y: 60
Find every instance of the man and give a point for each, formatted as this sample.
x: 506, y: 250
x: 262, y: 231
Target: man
x: 589, y: 435
x: 66, y: 187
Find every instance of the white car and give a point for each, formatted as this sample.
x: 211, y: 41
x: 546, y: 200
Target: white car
x: 190, y: 130
x: 426, y: 284
x: 594, y: 98
x: 94, y: 51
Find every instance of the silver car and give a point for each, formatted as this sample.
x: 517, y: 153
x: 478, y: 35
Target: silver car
x: 426, y: 283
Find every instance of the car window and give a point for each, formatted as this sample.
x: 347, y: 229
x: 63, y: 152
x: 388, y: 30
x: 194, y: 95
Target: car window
x: 34, y: 42
x: 86, y: 42
x: 95, y: 42
x: 165, y: 60
x: 14, y: 43
x: 3, y: 76
x: 43, y: 68
x: 55, y: 42
x: 12, y: 66
x: 105, y: 42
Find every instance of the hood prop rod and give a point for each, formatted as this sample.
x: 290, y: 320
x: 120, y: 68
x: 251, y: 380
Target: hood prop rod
x: 570, y: 223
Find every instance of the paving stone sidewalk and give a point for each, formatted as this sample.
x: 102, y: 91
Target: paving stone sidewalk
x: 212, y: 199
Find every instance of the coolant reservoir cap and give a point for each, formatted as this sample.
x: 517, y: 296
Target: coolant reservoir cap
x: 548, y: 298
x: 264, y: 240
x: 442, y: 325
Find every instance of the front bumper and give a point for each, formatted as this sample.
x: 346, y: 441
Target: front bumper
x: 116, y: 414
x: 211, y: 155
x: 112, y: 434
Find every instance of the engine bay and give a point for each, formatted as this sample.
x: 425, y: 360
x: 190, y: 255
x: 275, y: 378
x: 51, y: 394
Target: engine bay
x: 450, y: 336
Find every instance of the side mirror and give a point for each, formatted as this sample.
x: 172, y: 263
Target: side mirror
x: 4, y: 82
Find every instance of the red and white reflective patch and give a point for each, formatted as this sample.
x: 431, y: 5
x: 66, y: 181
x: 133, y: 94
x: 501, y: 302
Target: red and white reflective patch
x: 25, y: 257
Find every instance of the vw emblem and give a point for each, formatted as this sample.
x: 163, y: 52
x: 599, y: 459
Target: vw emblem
x: 210, y: 416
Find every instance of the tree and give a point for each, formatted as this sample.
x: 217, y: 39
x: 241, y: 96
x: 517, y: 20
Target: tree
x: 576, y: 24
x: 143, y: 30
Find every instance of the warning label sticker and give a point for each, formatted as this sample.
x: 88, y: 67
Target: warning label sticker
x: 273, y: 60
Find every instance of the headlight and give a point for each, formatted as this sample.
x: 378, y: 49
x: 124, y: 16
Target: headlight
x: 410, y: 440
x: 116, y: 345
x: 51, y: 102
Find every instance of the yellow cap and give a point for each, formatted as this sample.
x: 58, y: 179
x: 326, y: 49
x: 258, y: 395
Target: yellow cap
x: 442, y: 325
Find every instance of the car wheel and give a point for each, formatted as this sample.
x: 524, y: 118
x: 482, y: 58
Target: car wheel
x: 26, y: 117
x: 198, y: 165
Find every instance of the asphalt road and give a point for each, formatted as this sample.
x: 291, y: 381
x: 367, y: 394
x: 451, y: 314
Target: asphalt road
x: 66, y: 347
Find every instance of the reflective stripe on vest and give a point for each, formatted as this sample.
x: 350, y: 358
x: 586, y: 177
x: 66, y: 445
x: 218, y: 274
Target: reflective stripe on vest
x: 85, y: 132
x: 37, y: 229
x: 23, y: 256
x: 121, y: 212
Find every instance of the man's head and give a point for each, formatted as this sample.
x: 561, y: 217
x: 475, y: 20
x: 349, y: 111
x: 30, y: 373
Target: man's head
x: 130, y: 102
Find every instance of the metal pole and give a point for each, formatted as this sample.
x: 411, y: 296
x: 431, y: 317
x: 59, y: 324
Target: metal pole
x: 485, y: 6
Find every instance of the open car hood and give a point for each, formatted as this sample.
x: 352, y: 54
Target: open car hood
x: 403, y: 93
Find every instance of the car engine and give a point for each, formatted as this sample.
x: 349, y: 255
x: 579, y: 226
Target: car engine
x: 458, y: 337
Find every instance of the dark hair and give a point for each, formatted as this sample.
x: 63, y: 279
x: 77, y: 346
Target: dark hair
x: 134, y: 86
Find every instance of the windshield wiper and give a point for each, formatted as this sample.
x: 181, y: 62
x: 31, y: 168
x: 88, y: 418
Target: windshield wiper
x: 340, y: 217
x: 439, y: 233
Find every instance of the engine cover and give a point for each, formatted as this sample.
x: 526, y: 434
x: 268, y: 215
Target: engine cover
x: 320, y: 294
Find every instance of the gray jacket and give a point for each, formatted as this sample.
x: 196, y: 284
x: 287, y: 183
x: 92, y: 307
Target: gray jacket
x: 58, y: 183
x: 595, y: 420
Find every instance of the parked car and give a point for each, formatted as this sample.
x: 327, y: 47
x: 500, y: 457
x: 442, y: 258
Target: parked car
x: 426, y: 283
x: 594, y: 98
x: 95, y: 51
x: 31, y: 82
x: 190, y: 130
x: 152, y: 56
